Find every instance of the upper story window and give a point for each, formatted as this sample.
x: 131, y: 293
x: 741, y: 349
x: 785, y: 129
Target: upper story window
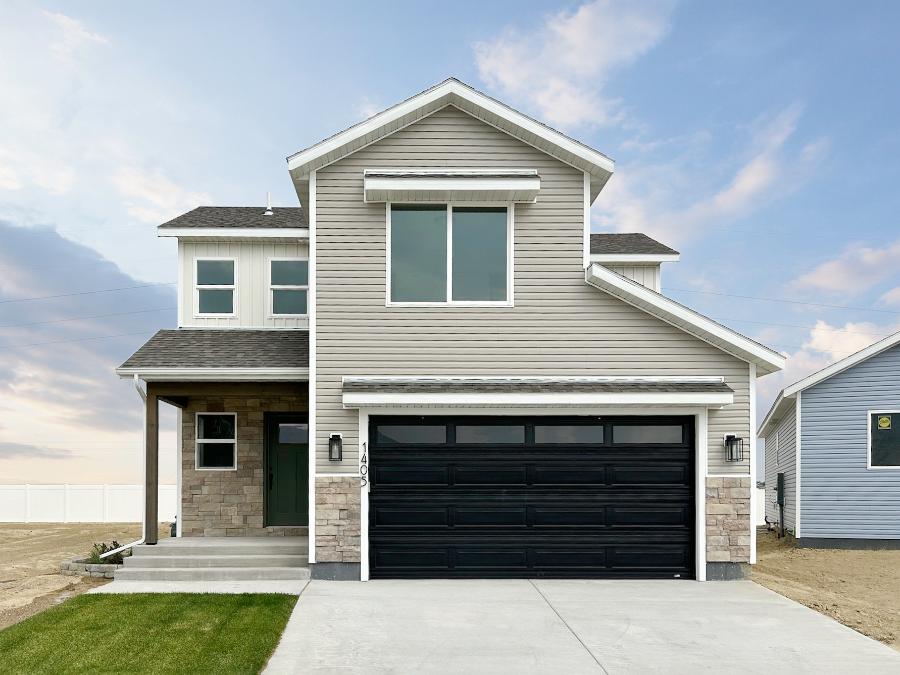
x: 214, y: 280
x: 288, y: 286
x: 445, y: 254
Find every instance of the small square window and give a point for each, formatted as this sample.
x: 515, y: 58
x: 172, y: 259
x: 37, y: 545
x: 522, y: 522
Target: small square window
x: 216, y: 441
x: 884, y: 440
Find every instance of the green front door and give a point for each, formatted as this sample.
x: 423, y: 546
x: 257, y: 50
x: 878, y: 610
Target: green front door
x: 287, y: 469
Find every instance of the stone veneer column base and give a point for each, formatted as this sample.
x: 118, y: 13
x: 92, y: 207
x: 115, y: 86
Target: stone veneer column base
x: 337, y: 521
x: 727, y: 524
x: 727, y: 571
x: 335, y: 571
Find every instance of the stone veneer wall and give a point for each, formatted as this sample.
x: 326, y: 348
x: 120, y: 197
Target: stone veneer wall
x: 230, y: 503
x: 337, y: 519
x: 728, y: 520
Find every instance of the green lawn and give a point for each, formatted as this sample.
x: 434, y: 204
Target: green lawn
x: 148, y: 633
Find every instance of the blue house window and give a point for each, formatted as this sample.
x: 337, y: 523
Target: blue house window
x: 884, y: 439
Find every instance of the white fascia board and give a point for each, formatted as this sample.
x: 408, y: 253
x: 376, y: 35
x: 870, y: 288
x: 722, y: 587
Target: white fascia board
x: 694, y: 323
x: 216, y: 374
x: 534, y: 378
x: 235, y: 232
x: 431, y: 96
x: 843, y: 364
x: 529, y: 399
x: 635, y: 258
x: 774, y: 414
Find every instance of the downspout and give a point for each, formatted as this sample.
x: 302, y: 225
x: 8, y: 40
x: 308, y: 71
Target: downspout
x: 143, y: 395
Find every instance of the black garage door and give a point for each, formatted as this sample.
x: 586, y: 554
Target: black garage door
x: 531, y: 497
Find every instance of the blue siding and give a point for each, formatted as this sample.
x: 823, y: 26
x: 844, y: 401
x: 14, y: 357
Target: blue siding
x: 781, y: 457
x: 840, y: 497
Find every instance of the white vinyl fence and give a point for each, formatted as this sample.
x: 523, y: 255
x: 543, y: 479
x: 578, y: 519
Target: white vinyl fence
x: 760, y: 515
x: 80, y: 503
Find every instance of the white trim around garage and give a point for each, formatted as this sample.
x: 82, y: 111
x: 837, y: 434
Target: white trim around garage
x: 531, y: 399
x: 311, y: 403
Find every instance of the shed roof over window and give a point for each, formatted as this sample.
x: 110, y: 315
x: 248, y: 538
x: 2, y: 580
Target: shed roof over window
x: 456, y: 185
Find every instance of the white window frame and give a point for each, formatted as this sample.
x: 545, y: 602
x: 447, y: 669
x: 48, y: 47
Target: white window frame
x: 270, y: 309
x: 449, y: 302
x: 233, y: 288
x: 198, y: 441
x: 869, y: 413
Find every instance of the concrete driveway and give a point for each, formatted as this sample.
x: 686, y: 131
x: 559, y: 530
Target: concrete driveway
x: 566, y: 627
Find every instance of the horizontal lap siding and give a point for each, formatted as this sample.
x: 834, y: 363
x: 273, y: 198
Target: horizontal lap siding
x: 785, y: 462
x: 559, y: 325
x: 841, y: 497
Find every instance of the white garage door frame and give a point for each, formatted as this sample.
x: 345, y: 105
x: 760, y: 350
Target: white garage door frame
x: 700, y: 458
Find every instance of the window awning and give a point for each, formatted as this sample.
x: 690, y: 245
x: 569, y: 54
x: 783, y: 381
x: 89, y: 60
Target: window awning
x: 436, y: 391
x: 445, y: 185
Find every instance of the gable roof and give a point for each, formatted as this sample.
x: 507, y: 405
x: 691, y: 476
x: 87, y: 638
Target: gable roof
x: 481, y: 106
x: 627, y: 243
x: 791, y: 391
x: 676, y: 314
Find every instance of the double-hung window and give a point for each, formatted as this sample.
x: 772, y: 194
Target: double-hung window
x: 446, y: 254
x: 216, y: 441
x: 214, y: 281
x: 884, y: 439
x: 288, y: 286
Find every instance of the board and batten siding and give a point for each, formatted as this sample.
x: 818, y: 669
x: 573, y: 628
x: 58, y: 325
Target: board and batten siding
x: 841, y: 498
x: 559, y: 325
x: 252, y: 282
x: 646, y: 275
x: 781, y: 457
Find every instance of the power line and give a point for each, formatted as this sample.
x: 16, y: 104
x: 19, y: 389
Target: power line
x: 99, y: 290
x: 790, y: 302
x: 56, y: 342
x: 794, y: 325
x: 79, y: 318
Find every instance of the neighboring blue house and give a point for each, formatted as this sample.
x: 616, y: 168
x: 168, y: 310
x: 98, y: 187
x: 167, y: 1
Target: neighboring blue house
x: 835, y: 436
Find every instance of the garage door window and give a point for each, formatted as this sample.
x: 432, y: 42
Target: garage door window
x: 884, y: 440
x: 568, y: 434
x: 647, y: 434
x: 411, y: 434
x: 490, y: 434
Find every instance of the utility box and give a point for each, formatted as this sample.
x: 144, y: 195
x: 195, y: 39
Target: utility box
x: 779, y: 490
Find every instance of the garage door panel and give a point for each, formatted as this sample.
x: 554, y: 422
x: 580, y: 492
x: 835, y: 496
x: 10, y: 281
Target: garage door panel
x: 522, y: 509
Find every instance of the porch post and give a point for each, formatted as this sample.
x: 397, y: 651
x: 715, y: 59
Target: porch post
x: 151, y: 469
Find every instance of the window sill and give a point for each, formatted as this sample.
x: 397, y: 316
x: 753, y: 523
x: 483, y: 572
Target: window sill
x: 212, y: 468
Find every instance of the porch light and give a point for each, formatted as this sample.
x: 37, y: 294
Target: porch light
x: 734, y: 448
x: 335, y: 448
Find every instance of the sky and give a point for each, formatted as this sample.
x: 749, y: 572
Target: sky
x: 759, y: 139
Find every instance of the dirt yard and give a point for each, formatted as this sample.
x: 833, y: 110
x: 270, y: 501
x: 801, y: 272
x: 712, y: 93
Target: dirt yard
x: 30, y: 555
x: 861, y: 589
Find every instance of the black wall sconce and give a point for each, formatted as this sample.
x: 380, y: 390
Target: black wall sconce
x: 734, y: 448
x: 335, y: 448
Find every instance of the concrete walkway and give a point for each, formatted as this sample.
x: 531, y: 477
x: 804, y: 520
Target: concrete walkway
x: 566, y: 627
x: 290, y: 587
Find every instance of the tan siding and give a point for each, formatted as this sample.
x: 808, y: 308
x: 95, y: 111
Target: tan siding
x: 558, y: 326
x: 252, y: 282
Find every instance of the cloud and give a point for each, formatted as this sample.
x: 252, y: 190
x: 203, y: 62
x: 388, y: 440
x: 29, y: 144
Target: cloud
x: 152, y: 197
x: 858, y: 268
x: 561, y: 68
x: 892, y: 297
x: 650, y: 197
x: 72, y: 36
x: 11, y: 450
x: 368, y: 108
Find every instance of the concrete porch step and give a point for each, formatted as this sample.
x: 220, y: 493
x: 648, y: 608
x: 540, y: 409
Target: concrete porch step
x: 206, y: 546
x: 205, y: 559
x: 212, y: 574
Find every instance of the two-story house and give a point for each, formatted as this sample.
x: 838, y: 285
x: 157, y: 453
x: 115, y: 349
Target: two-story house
x: 432, y: 368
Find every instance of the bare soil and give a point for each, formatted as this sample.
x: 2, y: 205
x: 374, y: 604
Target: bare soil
x: 860, y: 589
x: 30, y: 554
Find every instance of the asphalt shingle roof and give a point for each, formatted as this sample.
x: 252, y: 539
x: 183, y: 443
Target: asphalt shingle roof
x: 220, y: 348
x: 627, y: 243
x: 525, y: 385
x: 239, y: 216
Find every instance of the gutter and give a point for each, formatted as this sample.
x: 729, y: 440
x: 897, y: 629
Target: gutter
x: 137, y: 542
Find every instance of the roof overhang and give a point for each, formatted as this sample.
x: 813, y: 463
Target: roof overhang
x: 776, y: 412
x: 533, y: 392
x: 451, y: 92
x: 766, y: 360
x: 445, y: 185
x: 216, y: 374
x: 634, y: 258
x: 187, y: 233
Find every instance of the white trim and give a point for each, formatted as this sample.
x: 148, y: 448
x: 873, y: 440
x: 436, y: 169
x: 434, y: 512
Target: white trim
x: 234, y: 232
x: 311, y: 403
x: 869, y: 413
x: 331, y: 147
x: 753, y: 470
x: 180, y: 287
x: 436, y: 185
x: 198, y: 441
x: 701, y: 462
x: 535, y: 378
x: 270, y: 288
x: 216, y: 374
x: 798, y: 437
x: 531, y: 399
x: 635, y: 258
x: 223, y: 287
x: 179, y: 448
x: 683, y: 318
x: 449, y: 302
x: 586, y: 244
x: 364, y: 495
